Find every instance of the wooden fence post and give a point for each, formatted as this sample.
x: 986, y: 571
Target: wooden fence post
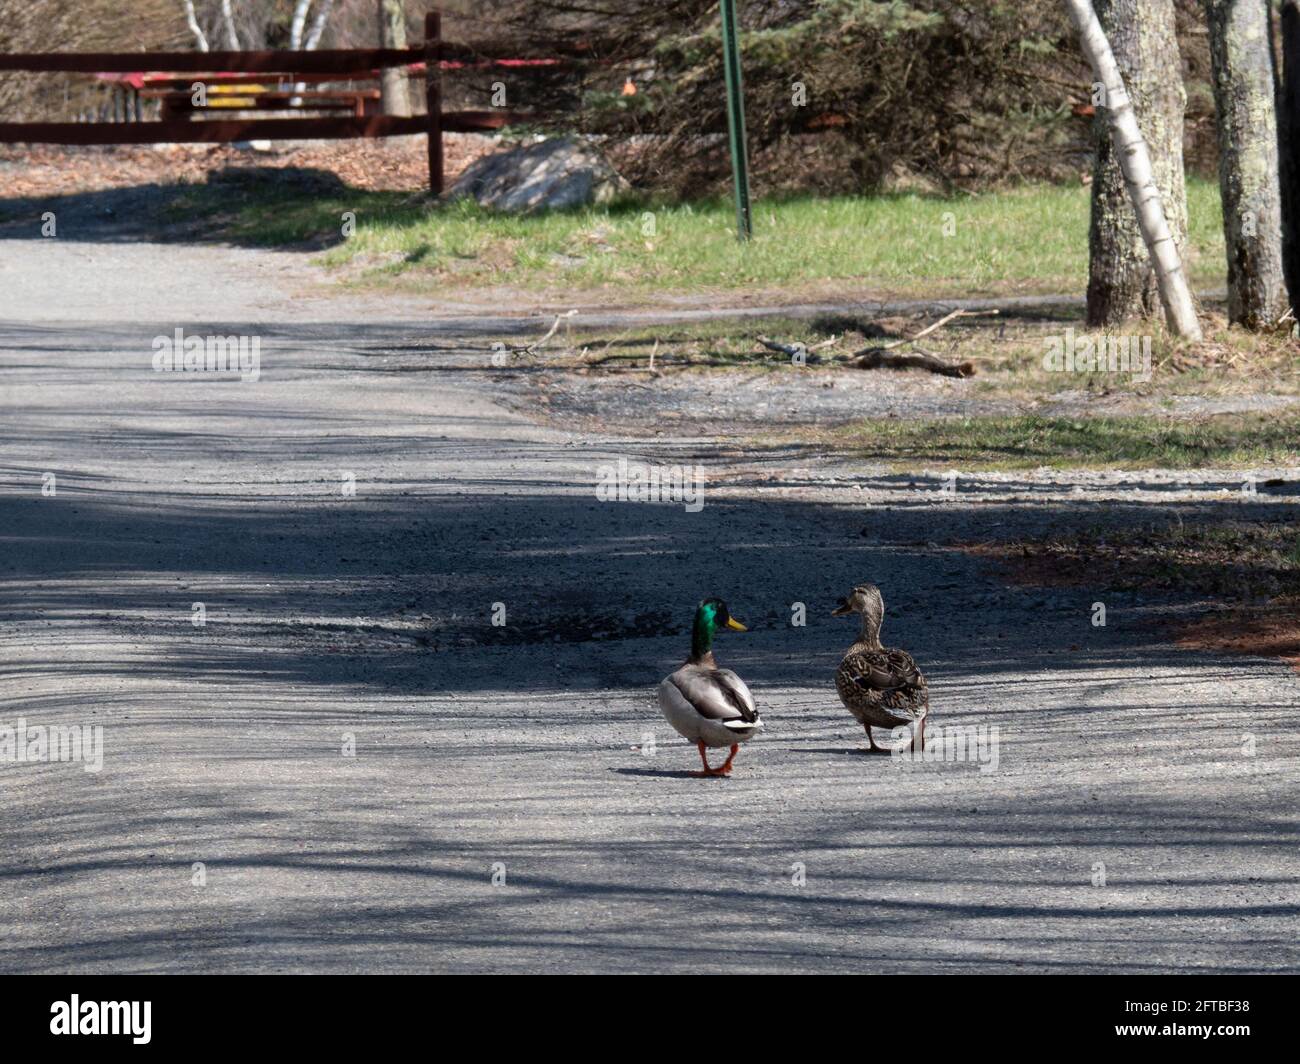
x: 433, y: 91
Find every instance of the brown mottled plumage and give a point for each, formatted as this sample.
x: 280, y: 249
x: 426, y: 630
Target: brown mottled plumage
x: 881, y: 687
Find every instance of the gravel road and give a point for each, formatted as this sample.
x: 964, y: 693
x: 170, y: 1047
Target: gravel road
x: 348, y: 767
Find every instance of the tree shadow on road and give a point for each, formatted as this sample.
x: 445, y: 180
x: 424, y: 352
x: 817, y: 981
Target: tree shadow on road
x: 198, y: 211
x: 396, y: 587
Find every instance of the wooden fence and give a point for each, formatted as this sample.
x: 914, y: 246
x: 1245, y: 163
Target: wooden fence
x: 351, y: 64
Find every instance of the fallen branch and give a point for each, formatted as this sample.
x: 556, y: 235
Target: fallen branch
x: 874, y: 356
x: 780, y: 348
x: 794, y: 350
x: 880, y: 358
x: 622, y: 356
x: 939, y: 325
x: 533, y: 348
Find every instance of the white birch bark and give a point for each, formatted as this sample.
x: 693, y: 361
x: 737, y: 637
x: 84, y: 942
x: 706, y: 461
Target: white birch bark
x: 228, y: 24
x: 313, y: 36
x: 298, y: 22
x: 318, y: 25
x: 1135, y: 162
x: 192, y: 20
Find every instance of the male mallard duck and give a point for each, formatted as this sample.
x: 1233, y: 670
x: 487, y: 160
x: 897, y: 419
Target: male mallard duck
x: 879, y: 686
x: 708, y: 705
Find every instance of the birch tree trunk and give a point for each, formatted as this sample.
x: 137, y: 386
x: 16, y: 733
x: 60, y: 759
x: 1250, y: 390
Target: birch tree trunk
x: 228, y: 25
x: 1241, y: 64
x: 1121, y: 279
x: 392, y: 34
x: 1134, y: 161
x: 317, y: 30
x: 192, y: 21
x: 307, y: 43
x: 298, y: 23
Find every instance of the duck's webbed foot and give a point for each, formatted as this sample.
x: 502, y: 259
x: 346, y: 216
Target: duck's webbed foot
x: 722, y: 770
x: 918, y: 735
x: 872, y: 740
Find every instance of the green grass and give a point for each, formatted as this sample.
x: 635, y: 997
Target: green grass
x: 1029, y: 441
x: 1030, y: 239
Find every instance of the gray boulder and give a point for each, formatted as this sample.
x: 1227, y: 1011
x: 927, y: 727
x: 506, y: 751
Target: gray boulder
x: 550, y: 175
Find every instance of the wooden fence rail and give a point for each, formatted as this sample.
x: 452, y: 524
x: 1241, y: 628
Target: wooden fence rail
x: 347, y: 64
x: 338, y: 61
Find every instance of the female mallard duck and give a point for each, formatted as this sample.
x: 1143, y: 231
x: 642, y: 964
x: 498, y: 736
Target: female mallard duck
x: 879, y: 686
x: 705, y: 704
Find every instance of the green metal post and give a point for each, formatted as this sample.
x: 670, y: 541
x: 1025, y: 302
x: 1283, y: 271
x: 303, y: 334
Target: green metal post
x: 736, y: 118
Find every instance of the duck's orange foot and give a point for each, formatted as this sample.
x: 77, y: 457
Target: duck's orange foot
x: 722, y: 770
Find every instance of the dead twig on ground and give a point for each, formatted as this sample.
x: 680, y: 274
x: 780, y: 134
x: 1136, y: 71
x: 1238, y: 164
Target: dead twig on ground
x: 630, y: 356
x: 537, y: 345
x: 879, y: 357
x: 796, y: 350
x: 939, y: 325
x: 781, y: 349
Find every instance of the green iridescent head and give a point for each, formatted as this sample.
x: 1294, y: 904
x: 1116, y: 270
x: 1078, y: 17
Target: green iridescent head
x: 711, y: 615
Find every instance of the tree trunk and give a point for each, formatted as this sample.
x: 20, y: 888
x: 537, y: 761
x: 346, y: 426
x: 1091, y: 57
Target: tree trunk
x: 192, y: 20
x: 317, y: 30
x: 228, y: 26
x: 1288, y: 109
x: 1121, y: 280
x: 1130, y: 151
x: 298, y: 23
x: 392, y: 34
x: 1240, y: 58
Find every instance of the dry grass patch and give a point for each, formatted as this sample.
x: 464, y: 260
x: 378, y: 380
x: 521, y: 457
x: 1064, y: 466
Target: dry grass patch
x: 1250, y: 570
